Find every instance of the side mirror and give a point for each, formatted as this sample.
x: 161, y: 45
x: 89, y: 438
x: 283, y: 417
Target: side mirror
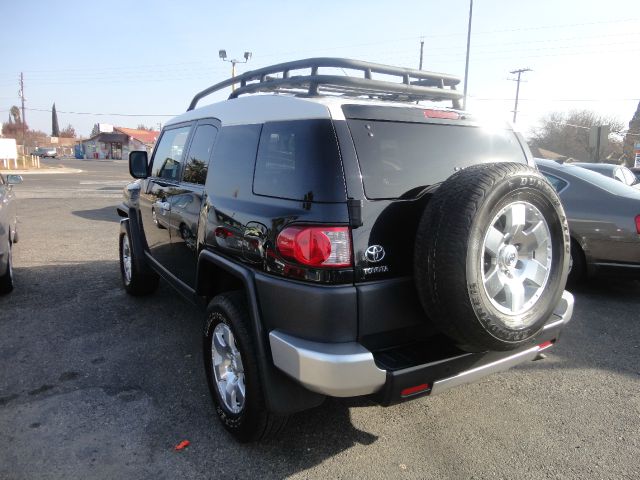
x: 14, y: 179
x: 138, y: 164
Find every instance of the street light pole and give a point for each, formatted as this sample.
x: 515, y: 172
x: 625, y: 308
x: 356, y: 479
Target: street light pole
x: 466, y: 65
x: 223, y: 56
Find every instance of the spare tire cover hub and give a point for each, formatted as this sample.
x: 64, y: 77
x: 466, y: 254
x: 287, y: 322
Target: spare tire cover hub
x: 517, y: 256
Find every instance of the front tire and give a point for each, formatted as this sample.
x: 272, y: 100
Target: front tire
x: 6, y: 280
x: 232, y: 372
x: 135, y: 279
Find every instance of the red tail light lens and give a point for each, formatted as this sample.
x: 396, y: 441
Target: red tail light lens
x: 638, y: 223
x: 316, y: 246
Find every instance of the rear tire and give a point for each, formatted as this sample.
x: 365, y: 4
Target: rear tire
x: 136, y: 280
x: 230, y: 365
x: 6, y: 280
x: 491, y: 256
x: 578, y: 272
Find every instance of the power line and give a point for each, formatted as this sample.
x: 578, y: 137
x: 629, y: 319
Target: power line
x: 106, y: 114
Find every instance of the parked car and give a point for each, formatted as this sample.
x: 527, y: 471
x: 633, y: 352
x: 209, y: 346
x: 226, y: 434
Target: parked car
x: 617, y: 172
x: 8, y: 230
x: 45, y: 152
x: 345, y: 240
x: 604, y: 220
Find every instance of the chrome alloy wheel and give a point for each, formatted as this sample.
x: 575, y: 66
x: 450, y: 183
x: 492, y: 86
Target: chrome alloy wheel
x: 516, y: 260
x: 126, y: 259
x: 227, y: 368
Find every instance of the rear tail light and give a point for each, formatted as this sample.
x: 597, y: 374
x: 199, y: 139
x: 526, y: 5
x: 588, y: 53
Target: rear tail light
x: 638, y: 223
x: 316, y: 246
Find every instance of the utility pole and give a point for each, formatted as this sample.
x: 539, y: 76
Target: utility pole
x: 421, y: 51
x: 519, y: 72
x: 466, y: 64
x: 24, y: 120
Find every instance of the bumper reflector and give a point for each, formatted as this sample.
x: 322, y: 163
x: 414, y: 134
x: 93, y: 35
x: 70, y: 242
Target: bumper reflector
x: 413, y: 390
x: 545, y: 345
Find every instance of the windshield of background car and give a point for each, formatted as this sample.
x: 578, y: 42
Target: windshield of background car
x: 609, y: 184
x: 396, y: 157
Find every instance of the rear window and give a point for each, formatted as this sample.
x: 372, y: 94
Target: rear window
x: 299, y: 160
x: 396, y: 157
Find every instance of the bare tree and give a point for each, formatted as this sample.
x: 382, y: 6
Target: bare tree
x: 568, y: 135
x: 631, y: 138
x: 68, y: 132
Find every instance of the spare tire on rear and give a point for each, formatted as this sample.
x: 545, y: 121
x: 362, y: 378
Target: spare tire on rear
x: 491, y: 255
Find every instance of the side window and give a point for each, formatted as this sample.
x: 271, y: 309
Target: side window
x: 557, y: 183
x: 168, y: 156
x: 233, y: 161
x: 629, y: 177
x: 195, y: 170
x: 299, y: 160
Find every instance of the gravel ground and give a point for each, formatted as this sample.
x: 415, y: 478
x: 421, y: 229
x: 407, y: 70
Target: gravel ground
x: 97, y: 384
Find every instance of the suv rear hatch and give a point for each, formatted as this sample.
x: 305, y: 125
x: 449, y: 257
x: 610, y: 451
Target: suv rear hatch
x: 403, y: 154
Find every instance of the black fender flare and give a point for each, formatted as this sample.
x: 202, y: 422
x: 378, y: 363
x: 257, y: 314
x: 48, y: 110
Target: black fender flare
x: 283, y: 395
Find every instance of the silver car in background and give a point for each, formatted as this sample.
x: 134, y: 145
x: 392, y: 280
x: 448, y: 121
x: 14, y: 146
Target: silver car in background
x: 8, y: 234
x: 604, y: 220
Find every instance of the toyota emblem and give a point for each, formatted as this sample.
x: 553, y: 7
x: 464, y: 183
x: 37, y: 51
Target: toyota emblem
x: 374, y: 253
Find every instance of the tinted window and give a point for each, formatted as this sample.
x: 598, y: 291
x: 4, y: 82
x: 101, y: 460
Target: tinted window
x: 607, y: 183
x: 168, y: 155
x: 299, y: 160
x: 396, y: 157
x: 233, y: 160
x: 195, y: 171
x: 557, y: 183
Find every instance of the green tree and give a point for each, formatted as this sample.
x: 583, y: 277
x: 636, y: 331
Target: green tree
x: 55, y: 129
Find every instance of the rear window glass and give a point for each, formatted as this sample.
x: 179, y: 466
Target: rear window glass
x: 299, y: 160
x: 609, y: 184
x: 396, y: 157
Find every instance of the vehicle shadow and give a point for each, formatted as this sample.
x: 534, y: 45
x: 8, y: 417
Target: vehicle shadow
x: 120, y: 378
x: 105, y: 214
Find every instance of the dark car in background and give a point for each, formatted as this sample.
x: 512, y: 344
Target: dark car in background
x: 617, y: 172
x: 8, y: 234
x: 604, y: 220
x: 636, y: 172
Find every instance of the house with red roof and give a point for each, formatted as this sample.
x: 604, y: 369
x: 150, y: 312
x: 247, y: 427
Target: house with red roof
x: 116, y: 142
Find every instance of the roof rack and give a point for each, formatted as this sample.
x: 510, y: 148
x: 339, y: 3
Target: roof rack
x: 414, y: 85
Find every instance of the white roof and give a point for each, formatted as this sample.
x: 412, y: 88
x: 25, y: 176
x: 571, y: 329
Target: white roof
x: 268, y: 108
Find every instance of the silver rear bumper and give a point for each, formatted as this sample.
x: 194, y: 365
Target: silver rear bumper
x: 349, y: 369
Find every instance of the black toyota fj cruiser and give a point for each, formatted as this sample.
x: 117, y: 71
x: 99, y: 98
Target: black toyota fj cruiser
x: 346, y: 239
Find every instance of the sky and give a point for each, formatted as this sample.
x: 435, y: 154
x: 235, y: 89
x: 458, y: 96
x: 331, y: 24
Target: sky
x: 129, y: 63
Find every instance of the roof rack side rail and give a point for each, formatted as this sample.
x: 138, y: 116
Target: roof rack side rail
x: 413, y: 84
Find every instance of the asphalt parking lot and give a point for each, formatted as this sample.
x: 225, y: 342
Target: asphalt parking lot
x: 97, y: 384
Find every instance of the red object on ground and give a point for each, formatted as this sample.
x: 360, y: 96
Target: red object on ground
x: 182, y: 445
